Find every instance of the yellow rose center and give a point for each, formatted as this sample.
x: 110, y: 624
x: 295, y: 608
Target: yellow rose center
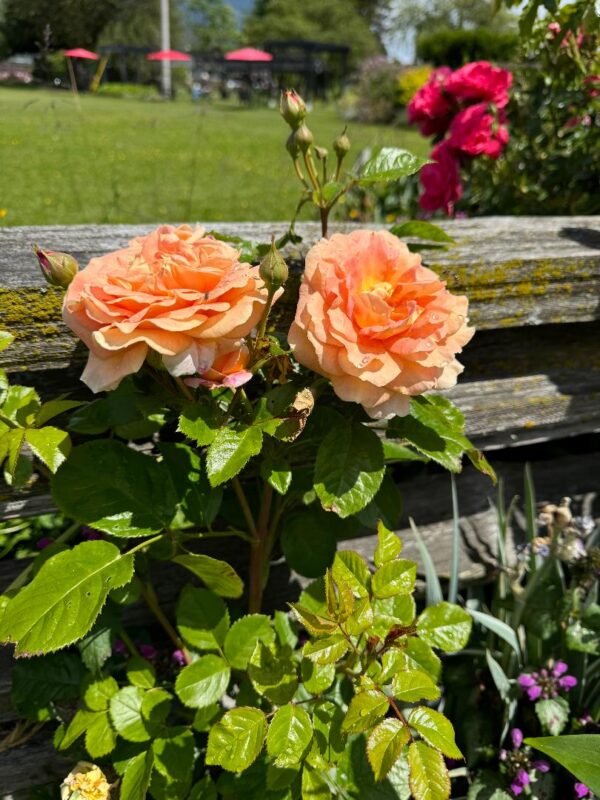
x: 91, y: 785
x: 382, y: 290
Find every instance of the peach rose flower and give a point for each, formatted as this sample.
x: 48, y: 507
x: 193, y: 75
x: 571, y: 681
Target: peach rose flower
x: 177, y: 292
x: 377, y: 323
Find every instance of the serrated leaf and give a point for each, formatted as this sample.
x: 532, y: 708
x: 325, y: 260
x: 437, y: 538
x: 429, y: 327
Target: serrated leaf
x: 384, y: 746
x: 100, y: 737
x: 553, y: 715
x: 219, y: 576
x: 53, y: 408
x: 578, y: 754
x: 273, y: 674
x: 289, y: 736
x: 390, y: 164
x: 126, y: 714
x: 230, y: 451
x: 314, y: 785
x: 202, y: 618
x: 366, y: 709
x: 64, y: 599
x: 136, y: 778
x: 115, y: 489
x: 314, y: 624
x: 316, y: 678
x: 244, y: 635
x: 21, y: 404
x: 50, y: 445
x: 349, y: 568
x: 435, y: 729
x: 76, y: 728
x: 416, y: 654
x: 38, y: 683
x: 277, y: 473
x: 174, y: 755
x: 393, y: 578
x: 428, y: 776
x: 349, y: 468
x: 156, y: 705
x: 329, y: 740
x: 97, y: 693
x: 308, y: 545
x: 327, y: 650
x: 199, y: 422
x: 390, y: 612
x: 203, y: 682
x: 419, y: 229
x: 388, y: 547
x: 286, y: 629
x: 414, y: 685
x: 141, y: 673
x: 446, y: 626
x: 236, y: 740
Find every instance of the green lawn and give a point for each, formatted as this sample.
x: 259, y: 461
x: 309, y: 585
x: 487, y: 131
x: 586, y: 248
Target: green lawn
x: 131, y: 161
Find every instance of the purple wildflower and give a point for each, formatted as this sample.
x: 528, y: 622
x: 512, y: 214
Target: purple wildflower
x: 518, y: 766
x: 517, y: 737
x: 581, y: 790
x: 178, y: 658
x: 120, y: 648
x: 547, y: 683
x: 44, y: 542
x: 147, y: 651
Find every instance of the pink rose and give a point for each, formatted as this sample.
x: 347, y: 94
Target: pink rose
x: 479, y: 81
x: 476, y: 131
x: 177, y: 292
x: 375, y: 322
x: 441, y: 181
x: 430, y: 108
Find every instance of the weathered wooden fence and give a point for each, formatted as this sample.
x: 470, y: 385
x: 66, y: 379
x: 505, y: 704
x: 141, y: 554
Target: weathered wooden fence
x: 532, y: 376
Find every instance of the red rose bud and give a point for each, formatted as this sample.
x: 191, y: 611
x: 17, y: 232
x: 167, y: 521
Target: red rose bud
x: 59, y: 269
x: 303, y: 137
x: 292, y: 108
x: 273, y: 269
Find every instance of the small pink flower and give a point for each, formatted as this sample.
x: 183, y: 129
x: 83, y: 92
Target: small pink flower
x: 517, y: 737
x: 567, y: 683
x: 178, y: 658
x: 581, y: 790
x: 554, y: 29
x: 147, y: 651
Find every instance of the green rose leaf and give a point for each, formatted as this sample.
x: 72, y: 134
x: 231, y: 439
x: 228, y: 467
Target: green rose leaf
x: 349, y: 468
x: 309, y: 543
x: 327, y: 650
x: 393, y: 578
x: 388, y: 547
x: 236, y: 740
x: 349, y: 568
x: 126, y: 714
x: 390, y: 164
x: 329, y: 740
x: 136, y: 778
x: 199, y: 422
x: 100, y: 737
x: 428, y: 777
x: 38, y: 683
x: 21, y: 404
x: 174, y: 755
x: 277, y: 472
x: 198, y: 501
x: 553, y: 714
x: 314, y: 624
x: 97, y: 693
x: 421, y: 230
x: 6, y: 339
x: 244, y: 635
x: 273, y: 674
x: 416, y: 654
x: 384, y: 746
x: 578, y: 754
x: 53, y: 408
x: 390, y: 612
x: 316, y: 678
x: 50, y: 445
x: 203, y: 682
x: 64, y: 599
x: 202, y: 618
x: 133, y: 492
x: 446, y: 626
x: 409, y: 687
x: 156, y: 705
x: 290, y: 734
x: 366, y: 709
x: 219, y: 576
x: 230, y: 451
x: 141, y: 673
x: 435, y: 729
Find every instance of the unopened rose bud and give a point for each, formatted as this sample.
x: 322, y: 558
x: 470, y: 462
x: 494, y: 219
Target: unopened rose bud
x: 273, y: 269
x: 292, y: 108
x: 341, y: 145
x: 59, y: 269
x: 85, y: 782
x: 292, y: 146
x: 321, y: 153
x: 303, y: 137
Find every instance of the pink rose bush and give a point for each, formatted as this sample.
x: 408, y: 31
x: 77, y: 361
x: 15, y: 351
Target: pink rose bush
x: 177, y: 293
x: 379, y: 325
x: 465, y: 110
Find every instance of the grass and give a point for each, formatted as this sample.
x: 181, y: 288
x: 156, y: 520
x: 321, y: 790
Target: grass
x: 118, y: 160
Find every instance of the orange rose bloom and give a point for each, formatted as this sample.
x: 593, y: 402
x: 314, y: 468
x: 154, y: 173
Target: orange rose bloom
x: 176, y: 291
x: 377, y: 323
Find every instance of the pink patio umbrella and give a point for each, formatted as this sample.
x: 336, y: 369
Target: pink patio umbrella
x: 168, y: 55
x: 77, y: 52
x: 248, y: 54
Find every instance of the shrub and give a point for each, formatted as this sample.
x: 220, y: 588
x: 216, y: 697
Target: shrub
x: 453, y: 48
x: 131, y: 91
x: 409, y: 82
x: 378, y: 89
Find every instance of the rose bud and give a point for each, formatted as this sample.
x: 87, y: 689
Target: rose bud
x: 59, y: 269
x: 292, y: 108
x: 292, y: 146
x: 303, y: 137
x: 321, y: 153
x: 273, y: 269
x: 341, y: 145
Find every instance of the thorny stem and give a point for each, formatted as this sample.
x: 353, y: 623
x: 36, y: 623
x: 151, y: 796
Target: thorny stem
x: 149, y: 595
x: 260, y: 552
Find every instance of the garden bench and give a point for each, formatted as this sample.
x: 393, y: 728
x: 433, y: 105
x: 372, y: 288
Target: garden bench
x: 532, y: 376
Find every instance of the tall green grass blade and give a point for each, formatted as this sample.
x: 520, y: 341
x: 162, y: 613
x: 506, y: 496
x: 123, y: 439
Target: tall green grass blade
x: 501, y: 629
x: 433, y: 589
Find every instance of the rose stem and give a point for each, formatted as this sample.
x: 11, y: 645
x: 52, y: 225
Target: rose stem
x: 149, y: 595
x: 259, y: 555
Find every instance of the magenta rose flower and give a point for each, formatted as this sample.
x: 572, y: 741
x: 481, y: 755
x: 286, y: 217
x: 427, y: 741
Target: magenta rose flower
x: 441, y: 180
x: 430, y: 108
x: 476, y: 131
x: 479, y: 81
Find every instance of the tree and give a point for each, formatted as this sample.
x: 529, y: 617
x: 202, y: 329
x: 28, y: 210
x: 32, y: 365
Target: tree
x: 430, y: 15
x: 213, y: 25
x: 334, y: 21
